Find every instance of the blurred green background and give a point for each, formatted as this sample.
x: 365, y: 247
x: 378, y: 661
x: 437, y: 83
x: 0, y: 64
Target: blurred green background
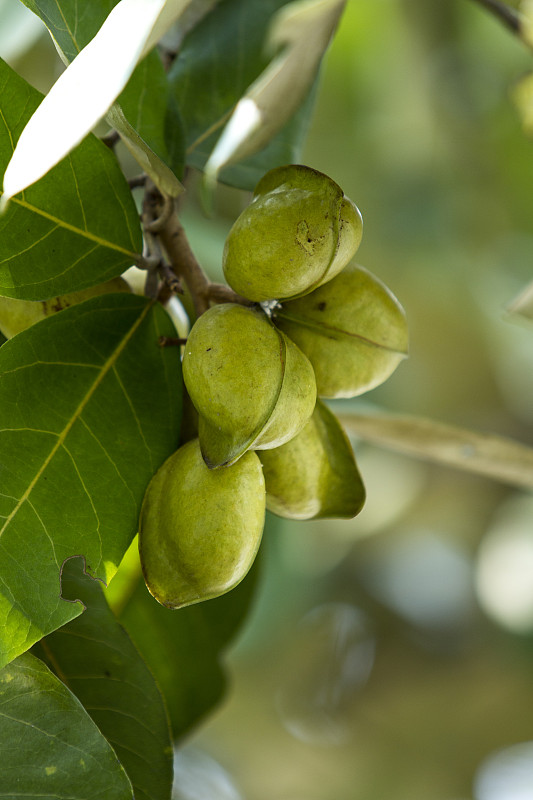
x: 391, y: 656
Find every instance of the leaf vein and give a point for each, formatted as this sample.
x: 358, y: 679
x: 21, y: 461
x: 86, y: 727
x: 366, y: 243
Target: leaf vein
x: 109, y: 364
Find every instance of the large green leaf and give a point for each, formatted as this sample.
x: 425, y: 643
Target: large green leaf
x: 76, y: 227
x: 90, y: 408
x: 72, y: 23
x: 184, y: 647
x: 49, y: 746
x: 218, y: 61
x: 95, y: 658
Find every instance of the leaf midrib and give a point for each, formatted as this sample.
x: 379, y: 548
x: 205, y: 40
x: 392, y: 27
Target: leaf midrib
x: 73, y: 229
x: 111, y: 361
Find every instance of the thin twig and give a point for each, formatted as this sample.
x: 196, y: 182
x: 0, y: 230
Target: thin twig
x: 170, y: 278
x: 110, y: 139
x: 171, y: 341
x: 487, y: 454
x: 220, y: 293
x: 165, y: 212
x: 137, y: 181
x: 507, y: 15
x: 182, y: 260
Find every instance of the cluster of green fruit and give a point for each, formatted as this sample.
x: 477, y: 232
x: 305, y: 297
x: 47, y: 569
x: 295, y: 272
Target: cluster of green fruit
x: 318, y: 326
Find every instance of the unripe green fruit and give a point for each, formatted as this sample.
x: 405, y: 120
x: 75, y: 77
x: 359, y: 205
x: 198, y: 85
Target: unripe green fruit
x: 200, y: 529
x: 252, y: 387
x: 314, y: 475
x: 298, y: 233
x: 17, y: 315
x: 353, y: 330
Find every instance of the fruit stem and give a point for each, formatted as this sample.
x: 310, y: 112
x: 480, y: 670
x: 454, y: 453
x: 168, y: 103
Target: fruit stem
x: 220, y: 293
x: 160, y: 220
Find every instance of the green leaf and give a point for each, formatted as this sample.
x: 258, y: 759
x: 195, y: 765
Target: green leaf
x: 184, y: 647
x: 217, y: 62
x: 76, y: 227
x: 298, y: 38
x: 145, y: 102
x: 49, y: 746
x: 72, y: 25
x: 87, y: 89
x: 152, y: 111
x: 148, y: 121
x: 285, y: 148
x: 95, y: 658
x: 90, y: 408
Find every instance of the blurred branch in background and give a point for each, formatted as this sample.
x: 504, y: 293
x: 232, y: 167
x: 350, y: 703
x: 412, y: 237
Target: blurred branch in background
x: 509, y: 16
x: 485, y: 454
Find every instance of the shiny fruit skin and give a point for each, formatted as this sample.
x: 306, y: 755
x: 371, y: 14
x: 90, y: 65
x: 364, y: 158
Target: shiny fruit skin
x: 315, y: 475
x: 353, y: 330
x: 252, y: 387
x: 299, y: 232
x: 200, y: 529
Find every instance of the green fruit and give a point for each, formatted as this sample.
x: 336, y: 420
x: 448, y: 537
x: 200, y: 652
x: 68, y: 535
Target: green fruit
x: 252, y: 387
x: 314, y: 475
x: 353, y: 330
x: 298, y: 233
x: 17, y: 315
x: 200, y: 529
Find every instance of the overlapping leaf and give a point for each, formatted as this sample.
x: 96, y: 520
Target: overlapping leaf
x: 76, y: 227
x: 155, y: 137
x: 151, y: 110
x: 72, y: 24
x: 96, y: 659
x: 49, y: 746
x: 299, y: 36
x: 184, y: 647
x: 90, y: 408
x: 87, y: 89
x: 218, y: 61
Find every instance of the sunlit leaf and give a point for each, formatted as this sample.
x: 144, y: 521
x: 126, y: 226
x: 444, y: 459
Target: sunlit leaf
x: 284, y: 148
x: 184, y: 647
x: 486, y: 454
x: 151, y: 129
x: 90, y: 408
x: 217, y: 62
x: 83, y: 94
x: 76, y: 227
x: 301, y: 33
x: 96, y: 659
x: 49, y: 746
